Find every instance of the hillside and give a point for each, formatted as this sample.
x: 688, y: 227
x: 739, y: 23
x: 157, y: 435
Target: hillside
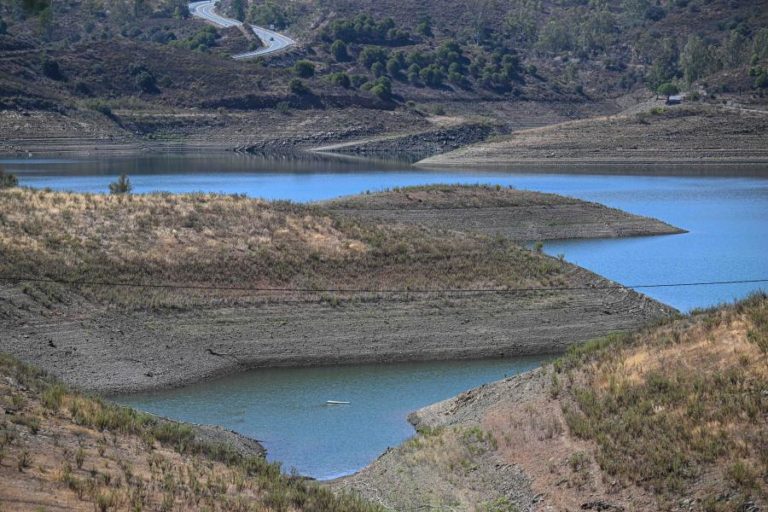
x: 147, y: 291
x: 670, y: 417
x: 61, y: 450
x: 118, y: 74
x: 660, y: 135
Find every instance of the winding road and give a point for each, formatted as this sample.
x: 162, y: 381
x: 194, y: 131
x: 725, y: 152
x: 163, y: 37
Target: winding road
x: 273, y: 41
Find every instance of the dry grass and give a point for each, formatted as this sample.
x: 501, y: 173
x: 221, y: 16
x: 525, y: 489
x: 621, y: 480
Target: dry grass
x: 215, y: 240
x: 679, y: 409
x: 450, y: 196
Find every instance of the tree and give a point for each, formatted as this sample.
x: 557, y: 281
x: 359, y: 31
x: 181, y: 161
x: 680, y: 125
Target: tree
x: 664, y: 67
x: 238, y: 9
x: 8, y: 180
x: 121, y: 186
x: 696, y: 59
x: 145, y: 82
x: 339, y: 51
x: 51, y: 68
x: 761, y: 82
x: 667, y: 89
x: 424, y: 27
x: 3, y: 27
x: 371, y: 54
x: 378, y: 69
x: 393, y: 66
x: 341, y: 79
x: 304, y: 69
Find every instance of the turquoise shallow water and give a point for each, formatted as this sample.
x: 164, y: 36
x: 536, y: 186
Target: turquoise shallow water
x: 286, y: 409
x: 726, y: 216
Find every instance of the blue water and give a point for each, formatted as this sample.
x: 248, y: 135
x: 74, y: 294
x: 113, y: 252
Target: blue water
x: 286, y: 410
x: 726, y: 218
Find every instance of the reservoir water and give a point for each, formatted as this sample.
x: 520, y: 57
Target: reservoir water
x: 286, y: 408
x: 725, y: 214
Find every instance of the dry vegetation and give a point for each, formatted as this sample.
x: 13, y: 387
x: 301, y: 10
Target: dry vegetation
x: 60, y: 450
x: 211, y: 240
x: 679, y: 410
x: 449, y: 197
x: 671, y: 417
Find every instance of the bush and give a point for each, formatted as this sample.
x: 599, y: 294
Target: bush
x: 269, y: 14
x: 283, y: 107
x: 382, y: 88
x: 341, y: 79
x: 296, y: 86
x: 8, y: 180
x: 82, y: 89
x: 145, y: 82
x: 51, y: 68
x: 304, y: 69
x: 121, y: 186
x: 377, y: 69
x: 655, y: 13
x: 100, y: 107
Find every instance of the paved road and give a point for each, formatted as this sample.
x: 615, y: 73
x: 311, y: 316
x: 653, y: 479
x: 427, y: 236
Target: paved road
x: 273, y: 41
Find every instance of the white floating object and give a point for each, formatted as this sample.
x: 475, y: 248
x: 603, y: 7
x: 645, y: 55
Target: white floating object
x: 336, y: 402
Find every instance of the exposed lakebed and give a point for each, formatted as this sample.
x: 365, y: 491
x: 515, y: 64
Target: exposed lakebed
x: 726, y: 218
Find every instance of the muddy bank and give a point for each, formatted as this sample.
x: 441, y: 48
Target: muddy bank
x: 661, y: 135
x: 103, y: 350
x: 415, y: 146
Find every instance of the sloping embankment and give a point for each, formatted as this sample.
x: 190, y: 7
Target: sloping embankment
x: 667, y: 418
x: 188, y: 287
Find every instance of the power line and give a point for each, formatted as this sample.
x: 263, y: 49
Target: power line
x: 77, y: 282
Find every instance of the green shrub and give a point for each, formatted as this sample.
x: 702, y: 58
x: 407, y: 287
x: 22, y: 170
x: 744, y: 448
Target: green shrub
x: 297, y: 87
x: 145, y: 82
x: 340, y: 79
x: 304, y: 69
x: 761, y: 82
